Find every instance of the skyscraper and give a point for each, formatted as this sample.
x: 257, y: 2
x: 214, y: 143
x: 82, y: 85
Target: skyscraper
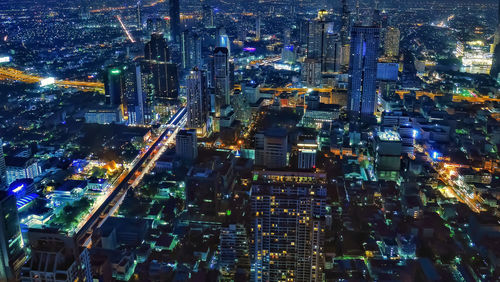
x: 363, y: 71
x: 208, y: 16
x: 3, y: 168
x: 287, y: 232
x: 257, y: 28
x: 197, y: 101
x: 12, y: 255
x: 221, y: 78
x: 139, y: 16
x: 391, y: 44
x: 323, y: 44
x: 114, y: 85
x: 190, y: 49
x: 175, y: 20
x: 165, y: 76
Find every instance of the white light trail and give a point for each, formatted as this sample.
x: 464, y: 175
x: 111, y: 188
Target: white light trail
x: 125, y: 29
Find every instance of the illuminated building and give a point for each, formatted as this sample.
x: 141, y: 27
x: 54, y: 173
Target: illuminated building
x: 307, y: 147
x: 191, y: 49
x: 102, y: 116
x: 344, y: 30
x: 22, y: 189
x: 138, y: 15
x: 165, y: 77
x: 114, y: 85
x: 18, y: 168
x: 311, y: 72
x: 391, y: 44
x: 363, y: 71
x: 323, y: 44
x: 388, y: 148
x: 271, y: 148
x: 208, y: 16
x: 3, y: 169
x: 257, y: 28
x: 186, y: 145
x: 234, y: 251
x: 197, y: 101
x: 12, y: 255
x: 55, y: 257
x: 287, y: 231
x: 495, y: 68
x: 221, y: 78
x: 476, y: 58
x: 175, y: 20
x: 140, y: 100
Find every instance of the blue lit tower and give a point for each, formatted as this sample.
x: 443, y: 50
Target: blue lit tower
x: 3, y: 169
x: 12, y: 255
x: 197, y: 100
x: 363, y: 71
x: 175, y: 20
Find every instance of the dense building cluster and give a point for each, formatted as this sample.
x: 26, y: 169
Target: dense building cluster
x: 270, y: 140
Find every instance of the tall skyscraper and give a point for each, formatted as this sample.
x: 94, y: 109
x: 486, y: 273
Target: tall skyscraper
x: 323, y: 44
x: 208, y: 16
x: 257, y: 28
x: 344, y: 30
x: 197, y: 101
x: 495, y: 67
x: 165, y: 75
x: 190, y: 49
x: 3, y: 168
x: 138, y: 15
x: 363, y: 71
x: 55, y: 257
x: 287, y: 232
x: 391, y: 44
x: 114, y: 85
x: 175, y: 20
x: 221, y: 78
x: 186, y: 145
x: 12, y: 255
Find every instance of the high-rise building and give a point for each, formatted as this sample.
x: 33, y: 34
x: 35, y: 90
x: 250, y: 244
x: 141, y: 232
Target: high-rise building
x: 197, y: 101
x: 175, y: 20
x: 190, y: 49
x: 165, y: 75
x: 208, y: 16
x: 388, y: 149
x: 363, y: 71
x: 21, y: 167
x: 186, y: 145
x: 271, y: 148
x: 307, y: 147
x: 221, y: 78
x: 391, y: 44
x: 3, y: 169
x: 55, y: 257
x: 288, y: 224
x: 114, y: 85
x: 257, y: 28
x: 234, y: 251
x: 138, y: 15
x: 495, y: 67
x: 12, y: 255
x: 157, y: 49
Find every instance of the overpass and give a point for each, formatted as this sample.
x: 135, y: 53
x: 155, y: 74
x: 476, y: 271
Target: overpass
x: 17, y: 75
x: 131, y: 178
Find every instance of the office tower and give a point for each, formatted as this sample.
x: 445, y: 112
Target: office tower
x: 234, y: 251
x: 391, y: 44
x: 3, y: 169
x: 197, y: 101
x: 344, y: 30
x: 186, y: 146
x: 190, y: 49
x: 55, y: 257
x: 311, y: 72
x: 175, y: 20
x: 307, y: 147
x: 12, y: 255
x: 223, y: 40
x: 139, y: 16
x: 271, y: 148
x: 221, y: 78
x: 257, y: 28
x: 287, y: 232
x: 114, y: 85
x: 495, y: 67
x: 388, y: 148
x: 157, y: 49
x: 363, y: 71
x: 208, y: 16
x: 165, y: 75
x: 333, y: 54
x: 323, y: 44
x: 144, y: 99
